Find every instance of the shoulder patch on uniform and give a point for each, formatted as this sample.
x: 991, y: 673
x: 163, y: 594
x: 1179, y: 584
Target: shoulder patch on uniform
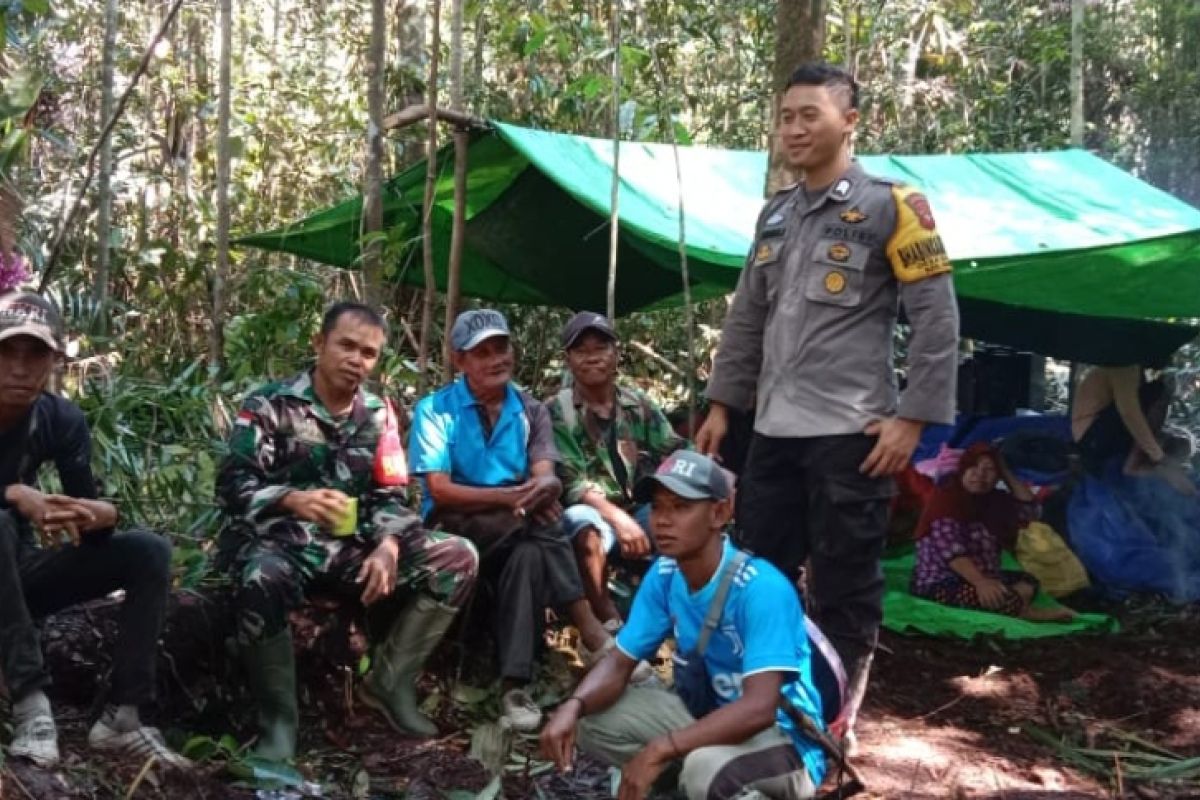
x: 915, y: 249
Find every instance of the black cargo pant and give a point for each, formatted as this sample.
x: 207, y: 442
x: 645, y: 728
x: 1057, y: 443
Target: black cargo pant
x: 35, y: 583
x: 537, y: 570
x: 804, y: 500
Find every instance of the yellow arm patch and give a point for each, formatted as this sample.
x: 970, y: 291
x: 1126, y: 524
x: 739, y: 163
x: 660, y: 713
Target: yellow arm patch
x: 915, y: 250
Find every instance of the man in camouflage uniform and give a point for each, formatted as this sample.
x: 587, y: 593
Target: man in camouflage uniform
x: 609, y: 436
x: 300, y: 461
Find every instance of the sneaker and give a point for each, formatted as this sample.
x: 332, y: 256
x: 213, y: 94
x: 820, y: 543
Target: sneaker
x: 850, y: 745
x: 139, y: 744
x: 36, y: 739
x: 522, y: 714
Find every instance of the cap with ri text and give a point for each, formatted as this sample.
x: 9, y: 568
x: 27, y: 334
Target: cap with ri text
x: 29, y: 314
x: 688, y: 474
x: 583, y: 322
x: 472, y: 327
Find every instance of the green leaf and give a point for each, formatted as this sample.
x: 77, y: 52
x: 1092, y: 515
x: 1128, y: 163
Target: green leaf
x: 466, y: 695
x: 37, y: 6
x: 12, y: 148
x: 491, y: 791
x: 21, y: 90
x: 266, y: 774
x: 534, y: 43
x: 200, y: 748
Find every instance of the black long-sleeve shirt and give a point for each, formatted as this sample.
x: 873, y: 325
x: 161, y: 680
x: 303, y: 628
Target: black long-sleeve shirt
x: 53, y: 430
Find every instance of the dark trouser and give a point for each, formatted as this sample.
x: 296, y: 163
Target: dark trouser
x: 538, y: 571
x: 273, y: 577
x: 804, y: 500
x: 35, y: 583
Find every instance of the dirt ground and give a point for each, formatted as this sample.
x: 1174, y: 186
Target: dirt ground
x: 944, y: 719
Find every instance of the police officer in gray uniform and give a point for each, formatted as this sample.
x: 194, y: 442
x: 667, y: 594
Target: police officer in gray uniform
x: 808, y: 342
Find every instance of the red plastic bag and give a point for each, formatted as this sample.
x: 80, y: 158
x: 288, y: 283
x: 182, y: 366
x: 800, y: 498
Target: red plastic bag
x: 391, y: 467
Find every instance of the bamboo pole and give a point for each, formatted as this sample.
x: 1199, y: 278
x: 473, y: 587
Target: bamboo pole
x: 688, y: 313
x: 614, y: 222
x: 457, y: 235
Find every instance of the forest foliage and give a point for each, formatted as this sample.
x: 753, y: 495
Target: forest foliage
x: 939, y: 76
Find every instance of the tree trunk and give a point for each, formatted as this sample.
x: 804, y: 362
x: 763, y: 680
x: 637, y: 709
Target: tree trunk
x: 104, y: 181
x: 216, y: 344
x: 799, y: 37
x: 373, y: 193
x: 461, y: 142
x: 431, y: 169
x: 1077, y: 73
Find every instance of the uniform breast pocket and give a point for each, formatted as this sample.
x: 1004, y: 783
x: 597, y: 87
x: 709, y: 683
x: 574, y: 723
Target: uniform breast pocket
x: 768, y: 251
x: 836, y: 273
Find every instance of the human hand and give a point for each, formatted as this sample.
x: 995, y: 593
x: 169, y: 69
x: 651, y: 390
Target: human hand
x: 632, y: 540
x: 992, y: 593
x: 897, y: 440
x: 712, y: 432
x: 548, y: 514
x: 1175, y: 475
x: 322, y: 506
x: 378, y: 571
x: 51, y: 514
x: 640, y: 772
x: 558, y: 736
x: 542, y: 490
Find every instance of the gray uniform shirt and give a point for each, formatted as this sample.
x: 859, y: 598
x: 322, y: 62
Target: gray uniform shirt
x: 810, y: 329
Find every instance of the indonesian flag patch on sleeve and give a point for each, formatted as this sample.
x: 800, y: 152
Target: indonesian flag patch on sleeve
x: 915, y: 250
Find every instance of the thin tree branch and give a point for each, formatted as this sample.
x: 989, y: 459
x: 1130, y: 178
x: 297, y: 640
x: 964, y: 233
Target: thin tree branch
x: 416, y: 113
x: 69, y: 219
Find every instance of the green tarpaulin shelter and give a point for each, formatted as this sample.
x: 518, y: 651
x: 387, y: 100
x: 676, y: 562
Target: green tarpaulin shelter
x: 1060, y: 253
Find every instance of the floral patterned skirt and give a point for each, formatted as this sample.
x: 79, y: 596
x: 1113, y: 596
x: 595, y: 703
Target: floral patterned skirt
x: 960, y: 593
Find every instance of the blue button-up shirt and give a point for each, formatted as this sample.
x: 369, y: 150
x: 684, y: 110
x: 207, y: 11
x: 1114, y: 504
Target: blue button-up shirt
x: 448, y: 436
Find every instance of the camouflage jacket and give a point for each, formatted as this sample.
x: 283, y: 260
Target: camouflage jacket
x: 644, y: 438
x: 285, y: 439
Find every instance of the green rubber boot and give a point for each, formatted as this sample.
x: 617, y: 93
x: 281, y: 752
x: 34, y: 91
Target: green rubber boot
x: 390, y: 686
x: 271, y: 667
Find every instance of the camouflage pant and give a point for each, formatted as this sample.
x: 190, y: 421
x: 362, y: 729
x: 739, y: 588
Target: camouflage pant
x: 273, y: 577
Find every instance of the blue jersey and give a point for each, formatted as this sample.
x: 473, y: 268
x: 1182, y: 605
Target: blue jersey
x: 761, y: 630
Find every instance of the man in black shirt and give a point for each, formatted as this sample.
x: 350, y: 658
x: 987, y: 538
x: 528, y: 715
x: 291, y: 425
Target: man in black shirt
x: 57, y: 550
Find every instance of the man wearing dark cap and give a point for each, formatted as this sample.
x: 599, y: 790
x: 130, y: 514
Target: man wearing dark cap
x: 609, y: 435
x: 484, y: 450
x: 58, y: 550
x: 731, y: 732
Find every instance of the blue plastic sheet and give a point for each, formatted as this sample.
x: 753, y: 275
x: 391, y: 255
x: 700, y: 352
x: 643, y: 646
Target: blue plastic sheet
x: 1137, y: 534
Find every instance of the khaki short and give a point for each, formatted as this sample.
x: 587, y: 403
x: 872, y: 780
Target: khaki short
x: 764, y: 766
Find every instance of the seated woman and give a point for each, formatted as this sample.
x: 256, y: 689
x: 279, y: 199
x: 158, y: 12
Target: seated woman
x: 960, y: 535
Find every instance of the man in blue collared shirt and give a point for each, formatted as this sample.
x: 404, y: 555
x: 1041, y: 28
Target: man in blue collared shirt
x: 484, y: 451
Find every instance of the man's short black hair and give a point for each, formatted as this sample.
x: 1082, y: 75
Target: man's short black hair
x: 818, y: 73
x: 360, y: 310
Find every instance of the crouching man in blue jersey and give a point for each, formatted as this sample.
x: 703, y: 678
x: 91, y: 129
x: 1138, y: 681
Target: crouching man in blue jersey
x: 725, y: 719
